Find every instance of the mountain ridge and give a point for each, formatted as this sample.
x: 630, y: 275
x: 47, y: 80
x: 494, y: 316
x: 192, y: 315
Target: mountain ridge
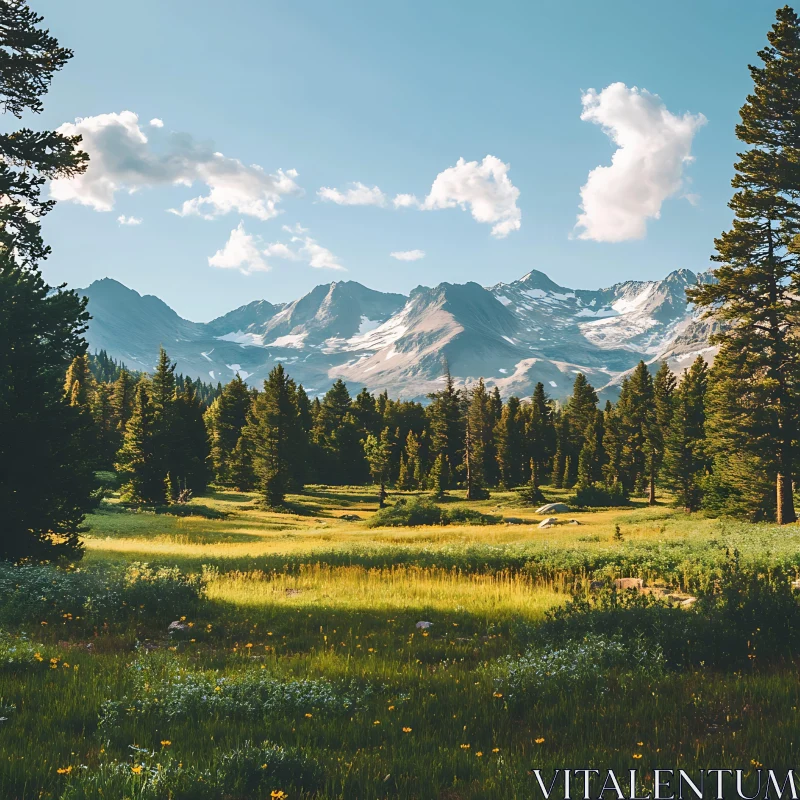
x: 511, y: 334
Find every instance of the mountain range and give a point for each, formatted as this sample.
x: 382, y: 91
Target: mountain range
x: 511, y: 334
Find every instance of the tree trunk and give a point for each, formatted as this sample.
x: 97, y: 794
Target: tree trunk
x: 786, y: 513
x: 382, y: 496
x: 651, y: 494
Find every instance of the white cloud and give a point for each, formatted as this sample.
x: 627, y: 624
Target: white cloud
x: 123, y: 220
x: 248, y: 253
x: 157, y: 123
x: 653, y: 145
x: 357, y: 195
x: 405, y: 201
x: 408, y: 255
x: 318, y: 256
x: 482, y: 187
x: 123, y: 159
x: 241, y: 252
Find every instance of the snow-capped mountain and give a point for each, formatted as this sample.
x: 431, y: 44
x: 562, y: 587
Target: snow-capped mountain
x: 511, y: 334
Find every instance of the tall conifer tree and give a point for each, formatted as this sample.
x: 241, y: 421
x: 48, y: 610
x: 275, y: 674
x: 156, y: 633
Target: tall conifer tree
x: 756, y: 290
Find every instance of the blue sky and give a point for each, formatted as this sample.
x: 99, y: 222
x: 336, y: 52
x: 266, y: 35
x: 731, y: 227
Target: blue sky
x: 392, y: 95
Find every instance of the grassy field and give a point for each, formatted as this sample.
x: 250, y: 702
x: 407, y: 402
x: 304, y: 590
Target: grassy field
x: 299, y: 669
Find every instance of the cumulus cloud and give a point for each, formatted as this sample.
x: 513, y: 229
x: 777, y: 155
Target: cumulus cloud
x: 484, y: 188
x: 122, y: 158
x: 248, y: 253
x: 123, y: 220
x: 408, y: 255
x: 241, y: 252
x: 653, y: 146
x: 405, y: 201
x: 357, y: 195
x: 318, y: 256
x: 157, y: 123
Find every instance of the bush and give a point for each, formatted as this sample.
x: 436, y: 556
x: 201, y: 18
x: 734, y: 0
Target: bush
x: 531, y: 495
x: 249, y: 771
x: 600, y: 496
x: 586, y: 664
x: 749, y: 617
x: 423, y: 511
x: 162, y: 688
x: 39, y: 594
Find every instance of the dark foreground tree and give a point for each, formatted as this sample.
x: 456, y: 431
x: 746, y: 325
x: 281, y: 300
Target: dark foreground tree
x: 45, y: 477
x: 757, y: 287
x: 29, y: 57
x: 46, y: 474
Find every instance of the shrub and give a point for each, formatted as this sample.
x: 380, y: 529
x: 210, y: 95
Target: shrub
x: 423, y: 511
x: 250, y: 771
x: 600, y: 496
x: 33, y: 593
x: 162, y: 688
x: 531, y: 495
x: 588, y: 663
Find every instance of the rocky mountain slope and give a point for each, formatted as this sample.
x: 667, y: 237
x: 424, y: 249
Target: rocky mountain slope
x: 511, y: 334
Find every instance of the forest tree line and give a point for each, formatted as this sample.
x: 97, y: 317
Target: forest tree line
x: 167, y: 443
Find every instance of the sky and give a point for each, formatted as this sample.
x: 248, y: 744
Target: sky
x: 254, y: 149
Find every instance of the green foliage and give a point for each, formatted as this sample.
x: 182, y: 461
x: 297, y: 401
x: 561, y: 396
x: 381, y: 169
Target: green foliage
x: 248, y: 771
x: 755, y: 288
x: 46, y: 477
x: 422, y: 511
x: 599, y: 496
x: 81, y: 599
x: 587, y: 665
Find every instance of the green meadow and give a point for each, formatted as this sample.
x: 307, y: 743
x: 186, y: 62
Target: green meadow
x: 297, y: 668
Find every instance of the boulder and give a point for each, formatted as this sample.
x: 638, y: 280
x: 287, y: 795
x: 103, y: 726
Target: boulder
x: 423, y: 625
x: 573, y: 522
x: 177, y: 628
x: 553, y: 508
x: 688, y: 602
x: 628, y: 583
x: 350, y: 517
x: 549, y: 522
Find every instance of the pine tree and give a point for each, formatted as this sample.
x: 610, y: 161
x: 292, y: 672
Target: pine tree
x: 46, y: 477
x: 440, y: 476
x: 757, y: 283
x: 78, y: 384
x: 414, y: 468
x: 580, y: 412
x: 141, y: 470
x: 107, y: 435
x: 479, y: 446
x: 561, y: 452
x: 592, y: 457
x: 189, y: 445
x: 338, y: 435
x: 540, y: 434
x: 378, y: 451
x: 509, y: 438
x: 405, y: 478
x: 445, y: 423
x: 225, y: 419
x: 30, y: 57
x: 273, y: 430
x: 685, y: 459
x: 122, y: 399
x: 636, y: 416
x: 613, y: 441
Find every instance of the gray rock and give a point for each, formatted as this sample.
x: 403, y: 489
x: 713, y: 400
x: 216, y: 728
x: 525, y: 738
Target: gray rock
x: 423, y: 625
x: 177, y: 628
x: 688, y: 602
x: 574, y: 522
x: 553, y: 508
x: 549, y: 522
